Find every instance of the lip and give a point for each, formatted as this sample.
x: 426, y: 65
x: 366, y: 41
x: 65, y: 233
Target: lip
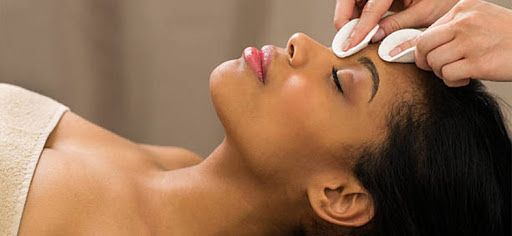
x: 267, y: 52
x: 258, y: 60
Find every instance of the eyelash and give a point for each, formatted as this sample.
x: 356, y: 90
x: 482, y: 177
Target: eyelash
x: 336, y: 79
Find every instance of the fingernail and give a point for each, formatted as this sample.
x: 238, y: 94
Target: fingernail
x: 378, y: 36
x: 395, y: 51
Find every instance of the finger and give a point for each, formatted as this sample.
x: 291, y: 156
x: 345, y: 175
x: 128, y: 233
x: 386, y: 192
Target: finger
x: 356, y: 13
x: 429, y: 40
x: 458, y: 83
x: 421, y: 60
x: 412, y: 17
x: 444, y: 55
x: 457, y: 71
x: 443, y: 19
x: 343, y: 12
x: 370, y: 15
x: 403, y: 46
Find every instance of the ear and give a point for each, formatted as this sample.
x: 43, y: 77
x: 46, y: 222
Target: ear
x: 341, y: 201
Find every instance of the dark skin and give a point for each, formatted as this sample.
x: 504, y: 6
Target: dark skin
x: 285, y: 156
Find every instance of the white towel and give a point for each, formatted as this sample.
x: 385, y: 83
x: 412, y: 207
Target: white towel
x: 26, y: 121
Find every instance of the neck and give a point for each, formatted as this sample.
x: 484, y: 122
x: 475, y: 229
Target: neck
x: 220, y: 196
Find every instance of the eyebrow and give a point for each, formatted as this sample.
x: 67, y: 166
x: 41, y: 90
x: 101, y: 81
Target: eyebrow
x: 368, y: 63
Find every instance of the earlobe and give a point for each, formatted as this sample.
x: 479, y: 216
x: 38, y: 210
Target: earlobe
x: 346, y: 203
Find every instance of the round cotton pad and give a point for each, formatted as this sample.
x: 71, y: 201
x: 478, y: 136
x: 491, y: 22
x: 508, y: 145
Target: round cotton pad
x: 343, y: 35
x: 395, y: 39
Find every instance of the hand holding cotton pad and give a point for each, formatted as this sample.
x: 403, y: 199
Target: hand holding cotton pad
x: 343, y: 35
x: 390, y: 42
x: 393, y: 40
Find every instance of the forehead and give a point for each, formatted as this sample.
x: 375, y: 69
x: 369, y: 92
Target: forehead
x: 400, y: 70
x: 395, y: 78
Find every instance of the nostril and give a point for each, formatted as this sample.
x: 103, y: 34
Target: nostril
x: 297, y: 48
x: 291, y: 50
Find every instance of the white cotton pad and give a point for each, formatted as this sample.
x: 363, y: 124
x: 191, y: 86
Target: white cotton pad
x: 343, y: 35
x: 395, y: 39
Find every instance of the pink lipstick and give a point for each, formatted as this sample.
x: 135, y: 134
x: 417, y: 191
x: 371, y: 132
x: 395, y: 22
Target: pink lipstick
x: 258, y: 60
x: 253, y: 58
x: 266, y: 58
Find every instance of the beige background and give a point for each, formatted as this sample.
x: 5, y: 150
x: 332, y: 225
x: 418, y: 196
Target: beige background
x: 141, y: 68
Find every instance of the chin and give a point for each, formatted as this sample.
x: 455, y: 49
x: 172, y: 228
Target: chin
x: 227, y: 89
x: 236, y: 94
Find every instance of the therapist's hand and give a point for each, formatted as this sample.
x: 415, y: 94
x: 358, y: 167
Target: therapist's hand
x: 410, y: 14
x: 370, y: 12
x: 473, y: 40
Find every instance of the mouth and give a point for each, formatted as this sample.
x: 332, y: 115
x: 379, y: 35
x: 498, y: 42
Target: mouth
x: 259, y: 60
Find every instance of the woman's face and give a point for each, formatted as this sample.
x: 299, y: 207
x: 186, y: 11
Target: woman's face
x: 298, y: 120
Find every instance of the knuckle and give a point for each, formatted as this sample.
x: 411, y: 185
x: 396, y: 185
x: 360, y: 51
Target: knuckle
x: 455, y: 26
x: 472, y: 18
x: 429, y: 17
x: 466, y: 20
x: 423, y: 65
x: 421, y: 45
x: 460, y: 6
x: 465, y: 3
x: 430, y: 60
x: 370, y: 7
x: 337, y: 23
x: 447, y: 76
x: 436, y: 66
x: 390, y: 25
x: 456, y: 9
x: 420, y: 61
x: 460, y: 23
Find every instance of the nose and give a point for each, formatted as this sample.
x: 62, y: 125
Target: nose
x: 300, y: 47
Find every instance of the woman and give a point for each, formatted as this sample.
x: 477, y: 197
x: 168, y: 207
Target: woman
x: 314, y: 145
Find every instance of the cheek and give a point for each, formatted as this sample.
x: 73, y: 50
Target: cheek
x: 296, y: 97
x: 302, y: 104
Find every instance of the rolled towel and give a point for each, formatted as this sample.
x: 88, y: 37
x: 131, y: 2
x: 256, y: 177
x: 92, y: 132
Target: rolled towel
x: 26, y: 121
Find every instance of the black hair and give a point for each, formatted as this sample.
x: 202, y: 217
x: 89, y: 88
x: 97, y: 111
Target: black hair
x: 443, y: 169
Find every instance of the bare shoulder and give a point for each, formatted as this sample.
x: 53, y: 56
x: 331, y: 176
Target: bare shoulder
x: 171, y: 157
x: 76, y: 134
x: 58, y: 192
x: 77, y: 194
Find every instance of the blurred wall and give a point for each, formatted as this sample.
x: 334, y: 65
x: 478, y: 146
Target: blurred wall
x: 503, y: 90
x: 141, y: 68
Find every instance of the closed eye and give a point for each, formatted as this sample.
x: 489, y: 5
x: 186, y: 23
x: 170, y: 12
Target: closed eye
x: 368, y: 63
x: 336, y: 79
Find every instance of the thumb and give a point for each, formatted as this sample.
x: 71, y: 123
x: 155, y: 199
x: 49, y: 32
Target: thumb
x: 412, y: 17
